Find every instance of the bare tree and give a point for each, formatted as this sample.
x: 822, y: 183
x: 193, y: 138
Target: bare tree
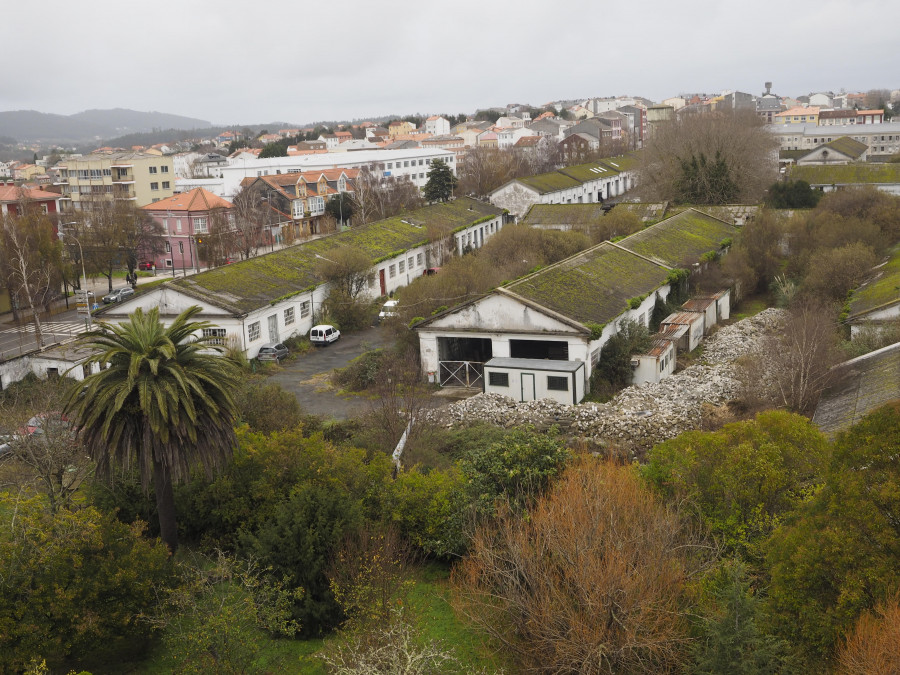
x: 44, y: 452
x: 250, y: 219
x: 347, y: 268
x: 747, y: 150
x: 30, y: 261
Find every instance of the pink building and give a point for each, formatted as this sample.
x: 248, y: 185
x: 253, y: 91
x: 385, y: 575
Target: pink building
x: 185, y: 218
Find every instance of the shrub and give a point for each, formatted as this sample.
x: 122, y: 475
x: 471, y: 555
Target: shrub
x: 267, y: 407
x: 591, y: 582
x: 74, y: 584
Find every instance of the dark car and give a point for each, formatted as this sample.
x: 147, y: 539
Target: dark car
x: 272, y: 351
x: 118, y: 295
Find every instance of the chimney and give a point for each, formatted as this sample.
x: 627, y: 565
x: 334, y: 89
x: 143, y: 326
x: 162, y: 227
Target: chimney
x: 768, y: 88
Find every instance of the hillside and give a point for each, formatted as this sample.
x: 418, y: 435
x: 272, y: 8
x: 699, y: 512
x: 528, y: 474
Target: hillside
x: 34, y: 126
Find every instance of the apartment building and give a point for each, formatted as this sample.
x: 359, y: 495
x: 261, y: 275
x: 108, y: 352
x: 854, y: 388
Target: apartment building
x: 882, y: 140
x: 134, y: 176
x: 412, y: 163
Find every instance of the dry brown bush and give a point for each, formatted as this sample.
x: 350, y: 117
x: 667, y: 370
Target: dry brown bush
x: 591, y: 582
x: 873, y: 648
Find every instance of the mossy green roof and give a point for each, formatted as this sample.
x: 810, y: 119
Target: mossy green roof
x: 681, y: 240
x: 882, y: 289
x: 646, y: 211
x: 848, y: 146
x: 593, y: 286
x: 250, y: 284
x: 847, y: 174
x: 573, y: 176
x: 564, y: 214
x: 549, y: 182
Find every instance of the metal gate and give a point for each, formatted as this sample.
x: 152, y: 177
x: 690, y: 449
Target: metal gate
x: 461, y: 373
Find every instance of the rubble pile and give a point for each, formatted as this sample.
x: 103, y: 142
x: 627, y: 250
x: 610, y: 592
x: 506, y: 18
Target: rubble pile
x: 640, y: 416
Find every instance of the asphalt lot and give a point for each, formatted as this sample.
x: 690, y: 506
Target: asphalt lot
x: 307, y: 375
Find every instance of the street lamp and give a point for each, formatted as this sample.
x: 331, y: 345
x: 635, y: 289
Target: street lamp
x: 87, y: 300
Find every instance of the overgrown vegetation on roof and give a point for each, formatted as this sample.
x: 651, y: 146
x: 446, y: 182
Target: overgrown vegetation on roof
x: 253, y: 283
x: 563, y: 214
x: 844, y: 174
x: 574, y: 176
x: 681, y: 240
x: 883, y: 289
x: 593, y: 286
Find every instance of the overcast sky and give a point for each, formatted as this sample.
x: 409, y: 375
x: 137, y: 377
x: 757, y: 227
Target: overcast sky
x: 299, y: 61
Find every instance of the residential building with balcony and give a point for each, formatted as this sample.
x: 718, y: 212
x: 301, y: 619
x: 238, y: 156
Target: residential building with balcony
x: 136, y: 177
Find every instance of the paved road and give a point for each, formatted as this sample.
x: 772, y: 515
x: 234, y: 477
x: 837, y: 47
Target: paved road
x: 307, y: 376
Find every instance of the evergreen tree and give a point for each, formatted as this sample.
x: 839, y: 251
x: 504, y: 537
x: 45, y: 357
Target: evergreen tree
x: 441, y: 182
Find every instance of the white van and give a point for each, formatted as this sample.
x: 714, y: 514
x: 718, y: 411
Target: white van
x: 323, y: 334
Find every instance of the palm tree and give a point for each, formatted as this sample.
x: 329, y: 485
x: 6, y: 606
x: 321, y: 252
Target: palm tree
x: 164, y: 403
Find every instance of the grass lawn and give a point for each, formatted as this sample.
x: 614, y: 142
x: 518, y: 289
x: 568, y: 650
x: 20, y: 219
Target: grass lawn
x: 751, y: 306
x: 428, y: 600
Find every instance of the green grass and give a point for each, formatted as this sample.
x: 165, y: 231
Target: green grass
x: 751, y: 306
x: 428, y: 600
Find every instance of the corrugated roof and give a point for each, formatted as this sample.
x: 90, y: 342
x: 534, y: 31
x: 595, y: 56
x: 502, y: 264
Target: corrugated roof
x: 862, y: 385
x: 564, y: 214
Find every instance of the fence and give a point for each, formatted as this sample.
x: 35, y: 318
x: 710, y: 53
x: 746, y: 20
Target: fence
x: 461, y: 374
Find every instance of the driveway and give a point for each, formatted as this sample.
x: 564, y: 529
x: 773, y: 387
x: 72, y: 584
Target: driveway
x: 307, y: 376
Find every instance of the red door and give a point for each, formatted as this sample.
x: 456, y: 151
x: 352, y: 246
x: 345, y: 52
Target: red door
x: 383, y: 282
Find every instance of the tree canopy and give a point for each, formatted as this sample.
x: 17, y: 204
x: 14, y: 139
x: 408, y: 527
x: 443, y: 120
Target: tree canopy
x: 441, y: 182
x: 163, y: 404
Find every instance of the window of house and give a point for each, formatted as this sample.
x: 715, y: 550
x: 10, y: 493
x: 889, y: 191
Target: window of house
x: 288, y: 316
x: 166, y: 185
x: 402, y: 264
x: 304, y: 309
x: 164, y: 169
x: 178, y: 225
x: 154, y: 186
x: 392, y: 271
x: 406, y: 163
x: 168, y: 247
x: 200, y: 225
x: 418, y: 258
x: 409, y: 262
x: 152, y: 169
x: 422, y: 161
x: 181, y: 247
x: 388, y: 165
x: 555, y: 383
x: 253, y: 331
x: 168, y: 261
x: 498, y: 379
x: 216, y: 335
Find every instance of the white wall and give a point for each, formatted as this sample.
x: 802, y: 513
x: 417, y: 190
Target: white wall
x: 574, y: 395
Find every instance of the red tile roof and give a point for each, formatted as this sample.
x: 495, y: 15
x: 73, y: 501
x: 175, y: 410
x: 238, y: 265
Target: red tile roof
x: 12, y: 193
x: 197, y: 199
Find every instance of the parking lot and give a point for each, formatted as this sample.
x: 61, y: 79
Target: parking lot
x: 307, y: 375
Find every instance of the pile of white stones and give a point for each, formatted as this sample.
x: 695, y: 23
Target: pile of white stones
x: 639, y: 416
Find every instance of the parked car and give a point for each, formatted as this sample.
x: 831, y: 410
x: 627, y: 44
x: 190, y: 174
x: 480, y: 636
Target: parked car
x: 272, y: 351
x: 118, y: 295
x: 145, y: 266
x: 389, y: 310
x: 323, y: 334
x: 428, y: 271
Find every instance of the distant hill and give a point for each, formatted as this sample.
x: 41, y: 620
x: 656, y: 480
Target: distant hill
x: 34, y: 126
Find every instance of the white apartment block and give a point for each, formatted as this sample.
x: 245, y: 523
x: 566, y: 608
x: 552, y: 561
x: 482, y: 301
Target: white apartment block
x: 412, y: 163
